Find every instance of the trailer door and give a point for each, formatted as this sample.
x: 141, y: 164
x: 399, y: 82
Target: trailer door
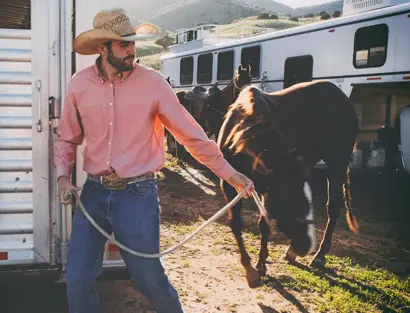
x: 26, y: 50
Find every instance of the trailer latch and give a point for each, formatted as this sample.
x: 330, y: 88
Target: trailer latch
x: 54, y: 107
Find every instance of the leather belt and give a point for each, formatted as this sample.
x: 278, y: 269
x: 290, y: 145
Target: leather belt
x: 113, y: 181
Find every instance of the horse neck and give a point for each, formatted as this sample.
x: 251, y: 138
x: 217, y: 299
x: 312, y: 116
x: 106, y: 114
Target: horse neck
x: 228, y: 95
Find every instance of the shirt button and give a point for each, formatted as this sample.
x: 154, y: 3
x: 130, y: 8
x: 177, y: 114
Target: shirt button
x: 110, y: 123
x: 108, y: 163
x: 110, y: 103
x: 109, y: 142
x: 111, y: 85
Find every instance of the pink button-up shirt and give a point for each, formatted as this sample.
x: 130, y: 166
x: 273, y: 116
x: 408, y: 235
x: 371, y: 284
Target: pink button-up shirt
x: 122, y: 125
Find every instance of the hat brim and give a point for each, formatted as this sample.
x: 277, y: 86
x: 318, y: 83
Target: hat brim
x: 86, y: 43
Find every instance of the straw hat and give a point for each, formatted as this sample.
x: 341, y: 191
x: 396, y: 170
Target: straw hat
x: 112, y: 25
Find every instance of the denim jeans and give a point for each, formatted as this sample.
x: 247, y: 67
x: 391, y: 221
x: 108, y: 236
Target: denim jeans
x: 133, y: 215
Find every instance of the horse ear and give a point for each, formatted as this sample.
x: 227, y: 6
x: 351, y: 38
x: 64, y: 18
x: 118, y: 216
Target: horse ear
x: 239, y: 68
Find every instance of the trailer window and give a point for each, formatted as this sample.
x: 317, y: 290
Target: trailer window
x: 225, y: 65
x: 186, y: 71
x: 204, y: 75
x: 297, y: 70
x: 252, y: 56
x: 370, y: 46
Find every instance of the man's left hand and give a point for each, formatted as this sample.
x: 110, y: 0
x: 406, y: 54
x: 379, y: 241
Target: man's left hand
x: 240, y: 182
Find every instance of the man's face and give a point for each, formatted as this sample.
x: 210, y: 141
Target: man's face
x: 121, y: 55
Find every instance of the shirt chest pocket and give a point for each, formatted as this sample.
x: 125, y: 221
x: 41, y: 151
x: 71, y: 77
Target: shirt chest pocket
x: 92, y: 120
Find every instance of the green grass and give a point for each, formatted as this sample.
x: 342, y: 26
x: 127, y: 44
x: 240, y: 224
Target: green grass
x: 348, y: 287
x: 146, y: 48
x: 343, y: 287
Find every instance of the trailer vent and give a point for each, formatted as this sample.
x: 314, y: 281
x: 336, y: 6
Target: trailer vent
x: 360, y: 4
x: 357, y: 6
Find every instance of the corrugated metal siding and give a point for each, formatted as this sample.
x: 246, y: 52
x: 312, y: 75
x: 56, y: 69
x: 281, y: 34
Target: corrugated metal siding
x: 16, y: 159
x: 15, y: 14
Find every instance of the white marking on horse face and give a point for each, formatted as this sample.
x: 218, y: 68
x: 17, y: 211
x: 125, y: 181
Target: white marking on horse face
x: 309, y: 217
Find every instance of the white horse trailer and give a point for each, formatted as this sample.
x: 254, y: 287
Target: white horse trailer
x: 365, y: 52
x: 36, y: 62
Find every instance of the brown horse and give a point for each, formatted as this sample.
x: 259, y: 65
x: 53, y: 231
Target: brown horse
x: 215, y: 105
x: 276, y: 139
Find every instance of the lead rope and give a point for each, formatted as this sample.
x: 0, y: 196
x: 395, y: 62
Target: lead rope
x: 192, y: 235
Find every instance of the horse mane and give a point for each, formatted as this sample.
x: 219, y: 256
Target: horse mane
x: 254, y: 113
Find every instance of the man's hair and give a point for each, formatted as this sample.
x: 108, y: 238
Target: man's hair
x: 108, y: 44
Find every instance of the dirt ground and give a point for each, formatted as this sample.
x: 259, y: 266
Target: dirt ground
x: 368, y: 272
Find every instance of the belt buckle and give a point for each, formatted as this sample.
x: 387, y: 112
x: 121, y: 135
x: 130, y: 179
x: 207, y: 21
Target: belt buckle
x: 112, y: 181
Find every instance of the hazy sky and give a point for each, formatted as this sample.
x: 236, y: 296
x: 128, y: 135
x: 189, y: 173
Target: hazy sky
x: 301, y: 3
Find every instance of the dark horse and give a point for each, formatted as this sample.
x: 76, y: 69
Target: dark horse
x: 276, y: 139
x: 213, y: 103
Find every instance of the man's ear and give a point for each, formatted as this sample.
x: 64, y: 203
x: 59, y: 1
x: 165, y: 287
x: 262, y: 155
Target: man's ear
x: 102, y: 49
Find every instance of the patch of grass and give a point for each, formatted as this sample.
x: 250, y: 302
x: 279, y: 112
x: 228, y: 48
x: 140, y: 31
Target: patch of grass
x: 200, y: 297
x: 147, y: 48
x: 167, y: 241
x: 153, y: 61
x: 185, y: 229
x: 183, y: 293
x: 349, y: 287
x: 232, y: 307
x: 224, y: 239
x: 332, y: 297
x: 185, y: 263
x: 377, y: 285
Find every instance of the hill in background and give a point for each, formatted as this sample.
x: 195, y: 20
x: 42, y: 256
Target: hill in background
x: 150, y: 53
x: 327, y: 7
x: 175, y: 14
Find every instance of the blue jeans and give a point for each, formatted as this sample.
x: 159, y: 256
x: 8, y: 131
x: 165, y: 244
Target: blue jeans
x: 133, y: 215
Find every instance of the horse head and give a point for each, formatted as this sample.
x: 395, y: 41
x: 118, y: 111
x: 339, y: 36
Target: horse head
x: 242, y: 78
x: 279, y: 172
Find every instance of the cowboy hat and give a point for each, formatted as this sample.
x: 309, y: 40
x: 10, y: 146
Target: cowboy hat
x: 110, y: 25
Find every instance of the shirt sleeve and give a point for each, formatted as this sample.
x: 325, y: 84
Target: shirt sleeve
x: 69, y: 135
x: 188, y: 132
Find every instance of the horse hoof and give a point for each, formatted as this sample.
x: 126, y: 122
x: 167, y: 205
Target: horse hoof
x: 290, y: 256
x: 261, y: 269
x: 255, y: 284
x: 317, y: 262
x: 253, y: 278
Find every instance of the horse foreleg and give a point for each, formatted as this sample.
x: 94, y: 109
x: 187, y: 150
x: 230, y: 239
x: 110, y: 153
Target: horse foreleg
x: 235, y: 221
x: 334, y: 204
x: 263, y: 252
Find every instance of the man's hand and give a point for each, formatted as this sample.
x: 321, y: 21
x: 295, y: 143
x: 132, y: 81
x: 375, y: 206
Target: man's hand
x: 239, y: 182
x: 64, y: 188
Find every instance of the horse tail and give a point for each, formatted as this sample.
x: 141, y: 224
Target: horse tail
x: 347, y: 192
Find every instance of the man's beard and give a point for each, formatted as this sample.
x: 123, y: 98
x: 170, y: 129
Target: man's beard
x: 119, y: 64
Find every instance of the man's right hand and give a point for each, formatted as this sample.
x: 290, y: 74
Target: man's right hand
x: 64, y: 189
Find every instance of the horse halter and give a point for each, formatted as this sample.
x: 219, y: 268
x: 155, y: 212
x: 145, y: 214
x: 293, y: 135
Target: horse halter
x: 237, y: 88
